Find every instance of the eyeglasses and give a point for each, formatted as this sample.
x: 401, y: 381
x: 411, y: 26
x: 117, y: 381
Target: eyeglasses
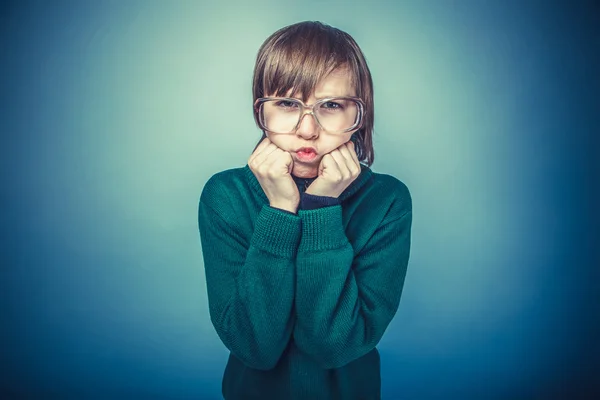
x: 334, y: 115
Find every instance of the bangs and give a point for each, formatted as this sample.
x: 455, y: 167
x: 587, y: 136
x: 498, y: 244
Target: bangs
x: 298, y: 57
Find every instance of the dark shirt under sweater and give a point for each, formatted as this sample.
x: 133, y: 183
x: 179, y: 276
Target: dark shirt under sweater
x: 311, y: 201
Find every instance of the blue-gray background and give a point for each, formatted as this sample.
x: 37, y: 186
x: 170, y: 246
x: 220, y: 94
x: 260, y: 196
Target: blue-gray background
x: 114, y: 115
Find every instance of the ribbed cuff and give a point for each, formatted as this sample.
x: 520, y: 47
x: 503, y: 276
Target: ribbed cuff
x: 322, y: 229
x: 277, y: 232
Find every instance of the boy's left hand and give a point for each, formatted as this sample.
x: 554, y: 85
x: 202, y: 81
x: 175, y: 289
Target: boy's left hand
x: 337, y: 171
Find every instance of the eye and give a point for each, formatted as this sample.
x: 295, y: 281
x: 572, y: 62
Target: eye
x: 286, y: 104
x: 332, y: 105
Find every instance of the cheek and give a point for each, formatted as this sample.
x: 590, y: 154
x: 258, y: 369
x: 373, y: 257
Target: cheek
x: 276, y: 139
x: 333, y: 143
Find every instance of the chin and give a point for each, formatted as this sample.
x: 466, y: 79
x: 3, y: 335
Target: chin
x: 306, y: 171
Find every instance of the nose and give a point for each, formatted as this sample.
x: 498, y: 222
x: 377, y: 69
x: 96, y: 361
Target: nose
x: 308, y: 127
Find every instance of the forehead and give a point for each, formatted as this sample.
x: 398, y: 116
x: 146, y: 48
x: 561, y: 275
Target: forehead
x: 336, y: 84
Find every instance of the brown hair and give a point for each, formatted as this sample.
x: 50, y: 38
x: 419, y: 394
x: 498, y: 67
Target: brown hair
x: 298, y: 56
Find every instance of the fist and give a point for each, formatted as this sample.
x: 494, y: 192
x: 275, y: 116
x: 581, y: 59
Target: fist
x: 337, y: 170
x: 272, y: 167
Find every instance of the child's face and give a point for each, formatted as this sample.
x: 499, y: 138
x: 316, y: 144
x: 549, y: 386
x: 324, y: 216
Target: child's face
x: 309, y: 133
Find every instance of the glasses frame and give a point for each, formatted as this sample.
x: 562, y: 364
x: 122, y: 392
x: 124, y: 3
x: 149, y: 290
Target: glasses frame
x: 310, y: 109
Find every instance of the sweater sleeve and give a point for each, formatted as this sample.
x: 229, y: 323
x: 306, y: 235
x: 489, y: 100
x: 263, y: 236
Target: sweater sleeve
x: 344, y: 302
x: 250, y: 280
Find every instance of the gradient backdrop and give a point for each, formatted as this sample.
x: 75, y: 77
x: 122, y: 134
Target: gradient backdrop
x: 115, y: 113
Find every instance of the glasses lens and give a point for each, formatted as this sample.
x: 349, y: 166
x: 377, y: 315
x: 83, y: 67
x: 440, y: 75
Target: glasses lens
x: 338, y: 115
x: 334, y: 115
x: 281, y: 116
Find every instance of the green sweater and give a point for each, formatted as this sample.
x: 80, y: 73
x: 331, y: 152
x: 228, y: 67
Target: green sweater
x: 301, y: 300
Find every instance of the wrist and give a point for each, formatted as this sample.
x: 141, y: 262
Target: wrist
x: 285, y: 206
x: 322, y: 193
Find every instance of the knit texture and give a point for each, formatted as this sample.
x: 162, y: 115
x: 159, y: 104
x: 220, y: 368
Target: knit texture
x: 301, y: 300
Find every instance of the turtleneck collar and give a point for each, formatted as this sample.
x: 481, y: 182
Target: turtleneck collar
x: 303, y: 183
x: 363, y: 177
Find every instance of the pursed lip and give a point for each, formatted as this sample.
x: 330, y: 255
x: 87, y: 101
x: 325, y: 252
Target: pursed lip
x: 307, y: 150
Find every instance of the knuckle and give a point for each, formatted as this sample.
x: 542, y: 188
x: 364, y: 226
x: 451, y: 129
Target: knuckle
x: 261, y: 169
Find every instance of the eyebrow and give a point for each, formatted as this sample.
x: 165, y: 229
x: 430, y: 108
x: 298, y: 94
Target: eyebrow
x: 321, y: 96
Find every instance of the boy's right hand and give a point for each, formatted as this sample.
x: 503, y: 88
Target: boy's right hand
x: 272, y: 167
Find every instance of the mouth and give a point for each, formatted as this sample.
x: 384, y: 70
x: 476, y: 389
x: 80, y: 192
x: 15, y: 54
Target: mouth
x: 306, y: 153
